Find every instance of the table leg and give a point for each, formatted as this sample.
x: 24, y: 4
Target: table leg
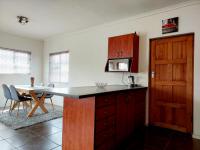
x: 38, y: 103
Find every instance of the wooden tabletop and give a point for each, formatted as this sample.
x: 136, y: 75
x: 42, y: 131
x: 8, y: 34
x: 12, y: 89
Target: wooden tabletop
x: 28, y: 88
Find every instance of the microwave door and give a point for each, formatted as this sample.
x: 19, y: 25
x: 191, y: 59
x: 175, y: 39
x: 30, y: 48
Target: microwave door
x: 122, y: 66
x: 119, y: 65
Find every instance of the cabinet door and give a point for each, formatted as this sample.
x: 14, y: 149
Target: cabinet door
x: 122, y: 120
x: 126, y: 49
x: 139, y: 108
x: 114, y: 47
x: 111, y: 48
x: 131, y: 112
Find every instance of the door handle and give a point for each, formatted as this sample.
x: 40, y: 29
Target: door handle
x: 152, y: 74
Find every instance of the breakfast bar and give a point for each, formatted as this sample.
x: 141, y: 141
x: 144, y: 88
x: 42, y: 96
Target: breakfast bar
x: 100, y: 118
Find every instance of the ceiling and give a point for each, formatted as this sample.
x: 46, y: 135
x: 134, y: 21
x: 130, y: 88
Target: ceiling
x: 50, y: 17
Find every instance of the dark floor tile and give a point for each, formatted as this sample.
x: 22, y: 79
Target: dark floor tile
x: 56, y: 138
x: 44, y: 130
x: 184, y: 143
x: 24, y: 131
x: 38, y: 143
x: 20, y: 139
x: 6, y: 146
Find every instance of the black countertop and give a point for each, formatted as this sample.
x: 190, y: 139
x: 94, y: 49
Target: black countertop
x: 88, y: 91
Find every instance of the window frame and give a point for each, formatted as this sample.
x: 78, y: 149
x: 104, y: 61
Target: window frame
x: 20, y: 51
x: 57, y: 53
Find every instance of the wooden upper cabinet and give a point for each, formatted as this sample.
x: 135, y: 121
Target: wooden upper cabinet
x: 123, y: 46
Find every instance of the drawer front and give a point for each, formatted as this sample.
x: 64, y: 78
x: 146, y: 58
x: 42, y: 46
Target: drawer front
x: 104, y: 137
x: 105, y: 112
x: 105, y: 124
x: 105, y: 100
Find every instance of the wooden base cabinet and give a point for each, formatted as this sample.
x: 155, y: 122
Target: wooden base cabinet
x: 102, y: 122
x: 130, y: 114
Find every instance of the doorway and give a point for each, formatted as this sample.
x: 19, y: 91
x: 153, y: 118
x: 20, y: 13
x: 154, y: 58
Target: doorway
x: 171, y: 82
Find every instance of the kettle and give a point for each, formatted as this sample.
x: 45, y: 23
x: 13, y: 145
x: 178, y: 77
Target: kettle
x: 131, y: 81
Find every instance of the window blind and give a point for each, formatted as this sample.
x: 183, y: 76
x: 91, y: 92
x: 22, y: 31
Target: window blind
x: 14, y: 61
x: 59, y: 67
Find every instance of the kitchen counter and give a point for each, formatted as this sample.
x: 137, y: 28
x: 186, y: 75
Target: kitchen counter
x: 100, y: 118
x: 89, y: 91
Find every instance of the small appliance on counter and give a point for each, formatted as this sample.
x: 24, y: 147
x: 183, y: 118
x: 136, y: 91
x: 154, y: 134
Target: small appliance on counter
x: 131, y: 81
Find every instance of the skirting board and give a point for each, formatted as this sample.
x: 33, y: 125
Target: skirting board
x: 196, y: 136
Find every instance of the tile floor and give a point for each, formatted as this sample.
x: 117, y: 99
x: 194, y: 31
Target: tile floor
x: 48, y: 136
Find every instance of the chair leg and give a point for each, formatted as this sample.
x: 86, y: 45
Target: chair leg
x: 10, y: 107
x: 18, y: 109
x: 4, y: 106
x: 30, y: 103
x: 23, y: 106
x: 52, y: 103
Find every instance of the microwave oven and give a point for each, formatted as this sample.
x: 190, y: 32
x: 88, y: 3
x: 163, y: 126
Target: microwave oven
x: 119, y: 65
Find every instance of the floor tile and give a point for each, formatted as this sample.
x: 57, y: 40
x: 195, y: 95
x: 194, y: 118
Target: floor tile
x: 48, y: 136
x: 6, y: 146
x: 7, y: 133
x: 20, y: 139
x: 58, y: 148
x: 38, y: 143
x: 56, y: 123
x: 46, y: 131
x: 56, y: 138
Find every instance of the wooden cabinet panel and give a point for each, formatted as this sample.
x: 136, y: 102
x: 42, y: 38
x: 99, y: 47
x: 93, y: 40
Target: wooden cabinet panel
x: 171, y: 87
x: 105, y: 100
x: 104, y: 136
x: 125, y: 46
x: 130, y: 113
x: 122, y: 46
x: 122, y: 121
x: 105, y: 112
x: 107, y: 123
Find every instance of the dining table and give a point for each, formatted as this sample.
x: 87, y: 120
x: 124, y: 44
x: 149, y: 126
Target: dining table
x: 38, y: 101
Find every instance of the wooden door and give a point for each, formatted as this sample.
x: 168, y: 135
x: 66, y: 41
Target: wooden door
x: 171, y: 82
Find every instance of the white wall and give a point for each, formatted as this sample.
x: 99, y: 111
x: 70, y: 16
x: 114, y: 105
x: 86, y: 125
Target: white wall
x: 36, y: 49
x: 88, y: 48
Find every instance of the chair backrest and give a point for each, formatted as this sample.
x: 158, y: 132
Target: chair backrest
x: 6, y: 91
x: 51, y: 85
x: 14, y: 93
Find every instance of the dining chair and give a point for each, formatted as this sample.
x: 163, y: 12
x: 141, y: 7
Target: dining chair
x: 17, y: 98
x: 48, y: 95
x: 7, y: 95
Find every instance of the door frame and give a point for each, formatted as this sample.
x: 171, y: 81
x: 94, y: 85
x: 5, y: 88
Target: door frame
x: 149, y: 70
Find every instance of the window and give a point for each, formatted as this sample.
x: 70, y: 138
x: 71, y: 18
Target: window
x: 59, y: 67
x: 14, y: 61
